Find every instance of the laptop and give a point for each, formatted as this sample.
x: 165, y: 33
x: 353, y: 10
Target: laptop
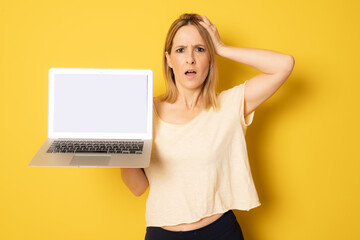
x: 98, y: 118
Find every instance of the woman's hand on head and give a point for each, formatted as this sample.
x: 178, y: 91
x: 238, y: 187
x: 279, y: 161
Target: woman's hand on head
x: 211, y: 28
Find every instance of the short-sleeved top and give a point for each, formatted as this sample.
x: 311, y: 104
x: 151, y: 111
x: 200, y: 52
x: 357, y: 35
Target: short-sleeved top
x: 201, y: 168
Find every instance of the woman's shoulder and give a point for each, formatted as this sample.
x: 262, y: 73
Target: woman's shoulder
x: 160, y: 104
x: 229, y: 94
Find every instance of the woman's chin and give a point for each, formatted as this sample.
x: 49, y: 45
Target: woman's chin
x: 192, y: 84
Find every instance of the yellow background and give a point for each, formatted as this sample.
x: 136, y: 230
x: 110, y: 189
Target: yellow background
x: 303, y: 144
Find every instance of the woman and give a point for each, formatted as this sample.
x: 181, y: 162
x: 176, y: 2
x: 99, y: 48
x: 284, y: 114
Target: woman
x: 199, y: 168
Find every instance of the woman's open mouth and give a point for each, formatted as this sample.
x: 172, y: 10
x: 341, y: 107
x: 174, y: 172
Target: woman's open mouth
x: 190, y: 73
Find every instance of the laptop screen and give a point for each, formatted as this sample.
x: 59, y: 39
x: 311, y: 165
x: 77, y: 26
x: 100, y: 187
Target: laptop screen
x: 92, y: 105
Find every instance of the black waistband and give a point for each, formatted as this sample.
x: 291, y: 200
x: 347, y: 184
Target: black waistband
x: 215, y: 228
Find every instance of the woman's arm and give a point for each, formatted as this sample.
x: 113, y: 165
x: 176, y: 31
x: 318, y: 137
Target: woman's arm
x: 135, y: 179
x: 266, y: 61
x: 275, y: 67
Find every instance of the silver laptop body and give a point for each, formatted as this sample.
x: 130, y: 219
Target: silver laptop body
x: 98, y: 118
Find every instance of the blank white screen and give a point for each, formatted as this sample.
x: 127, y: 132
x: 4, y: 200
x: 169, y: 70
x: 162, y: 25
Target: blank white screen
x: 87, y: 103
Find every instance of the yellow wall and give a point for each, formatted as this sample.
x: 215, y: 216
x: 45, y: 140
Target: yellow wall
x: 303, y: 144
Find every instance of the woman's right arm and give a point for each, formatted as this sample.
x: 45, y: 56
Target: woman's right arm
x: 135, y: 179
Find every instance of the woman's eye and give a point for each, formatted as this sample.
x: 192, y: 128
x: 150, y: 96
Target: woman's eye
x: 180, y: 50
x: 199, y: 49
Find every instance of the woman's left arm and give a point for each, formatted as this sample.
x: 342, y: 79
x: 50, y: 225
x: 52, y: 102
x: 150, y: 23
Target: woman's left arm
x: 275, y: 67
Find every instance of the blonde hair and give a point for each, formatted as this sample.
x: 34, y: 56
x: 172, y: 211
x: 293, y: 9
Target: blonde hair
x: 208, y: 90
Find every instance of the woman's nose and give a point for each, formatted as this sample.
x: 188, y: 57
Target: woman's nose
x: 190, y: 58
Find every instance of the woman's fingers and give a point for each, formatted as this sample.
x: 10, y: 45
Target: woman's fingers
x: 211, y: 28
x: 207, y: 24
x: 206, y: 20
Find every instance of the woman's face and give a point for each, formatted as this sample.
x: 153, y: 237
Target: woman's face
x: 189, y: 58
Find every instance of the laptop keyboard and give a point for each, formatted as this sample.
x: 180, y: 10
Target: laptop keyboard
x: 114, y: 147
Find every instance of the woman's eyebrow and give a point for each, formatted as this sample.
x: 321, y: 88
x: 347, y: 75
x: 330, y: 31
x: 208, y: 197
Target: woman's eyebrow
x: 196, y: 45
x: 180, y: 46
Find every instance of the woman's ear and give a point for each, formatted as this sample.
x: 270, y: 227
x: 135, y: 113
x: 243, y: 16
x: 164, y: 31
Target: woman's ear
x: 168, y: 59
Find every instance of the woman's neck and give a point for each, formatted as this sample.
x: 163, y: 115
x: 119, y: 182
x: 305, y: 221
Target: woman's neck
x: 190, y: 100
